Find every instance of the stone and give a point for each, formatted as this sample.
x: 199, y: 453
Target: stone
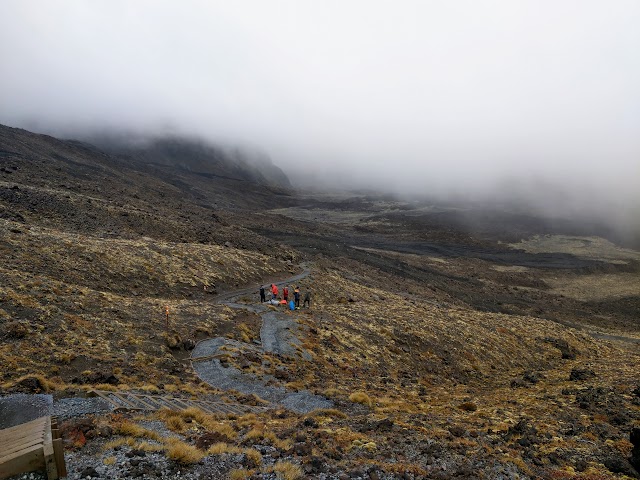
x: 457, y: 431
x: 578, y: 374
x: 135, y: 453
x: 89, y: 472
x: 310, y: 422
x: 29, y: 385
x: 617, y: 464
x: 203, y: 442
x: 634, y: 437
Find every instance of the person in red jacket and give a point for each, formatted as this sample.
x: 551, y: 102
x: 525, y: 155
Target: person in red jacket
x: 285, y: 293
x: 274, y: 290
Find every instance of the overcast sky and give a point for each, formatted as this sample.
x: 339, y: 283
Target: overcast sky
x: 415, y: 95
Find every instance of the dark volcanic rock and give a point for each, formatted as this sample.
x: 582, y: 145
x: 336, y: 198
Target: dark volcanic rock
x: 29, y: 385
x: 96, y: 378
x: 89, y: 472
x: 634, y: 437
x: 567, y: 351
x: 617, y: 464
x: 578, y: 374
x: 528, y: 377
x: 205, y: 441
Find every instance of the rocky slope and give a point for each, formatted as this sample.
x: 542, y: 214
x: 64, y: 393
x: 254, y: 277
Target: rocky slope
x: 444, y: 351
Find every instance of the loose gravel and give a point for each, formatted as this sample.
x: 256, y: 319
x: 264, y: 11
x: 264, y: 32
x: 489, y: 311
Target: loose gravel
x: 66, y: 408
x: 228, y: 377
x: 21, y: 408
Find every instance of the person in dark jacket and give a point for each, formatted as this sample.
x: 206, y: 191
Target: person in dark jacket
x: 263, y: 298
x: 296, y: 296
x: 307, y: 300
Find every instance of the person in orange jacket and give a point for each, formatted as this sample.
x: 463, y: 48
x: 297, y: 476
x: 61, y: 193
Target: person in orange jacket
x: 274, y: 290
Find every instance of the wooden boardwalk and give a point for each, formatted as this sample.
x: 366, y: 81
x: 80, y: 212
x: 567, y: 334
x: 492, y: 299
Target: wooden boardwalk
x: 32, y: 446
x: 134, y: 401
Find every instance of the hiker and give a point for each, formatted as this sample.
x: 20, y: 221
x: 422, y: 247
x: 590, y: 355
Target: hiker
x: 307, y: 300
x: 274, y: 290
x: 296, y: 296
x: 263, y: 298
x: 285, y: 293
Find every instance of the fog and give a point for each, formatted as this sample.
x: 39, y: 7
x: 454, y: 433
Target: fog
x: 486, y: 99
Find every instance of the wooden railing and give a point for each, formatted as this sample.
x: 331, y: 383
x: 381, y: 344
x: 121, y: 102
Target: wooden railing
x: 32, y: 446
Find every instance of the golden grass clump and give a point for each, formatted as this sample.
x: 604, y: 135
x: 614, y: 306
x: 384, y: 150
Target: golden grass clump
x: 106, y: 387
x: 247, y: 420
x: 361, y: 397
x: 240, y: 474
x: 260, y: 435
x: 221, y: 428
x: 287, y: 471
x: 196, y: 414
x: 148, y: 447
x: 116, y: 443
x: 128, y: 428
x: 331, y: 392
x: 176, y: 424
x: 150, y: 389
x: 254, y: 457
x: 182, y: 452
x: 47, y: 385
x: 165, y: 413
x: 256, y: 433
x: 222, y: 448
x: 109, y: 460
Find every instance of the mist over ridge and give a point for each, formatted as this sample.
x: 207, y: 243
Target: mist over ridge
x: 513, y: 104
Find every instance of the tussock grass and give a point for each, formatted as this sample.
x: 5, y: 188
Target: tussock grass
x: 247, y: 420
x: 222, y: 448
x: 254, y: 457
x: 131, y: 429
x: 331, y: 392
x: 259, y: 434
x: 116, y: 443
x: 149, y: 447
x: 182, y: 452
x: 196, y: 414
x: 222, y: 428
x: 107, y: 387
x: 287, y: 471
x: 361, y: 397
x: 240, y: 474
x: 47, y: 385
x: 176, y: 424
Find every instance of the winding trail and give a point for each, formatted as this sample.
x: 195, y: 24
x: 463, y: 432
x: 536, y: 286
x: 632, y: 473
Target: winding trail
x: 278, y: 334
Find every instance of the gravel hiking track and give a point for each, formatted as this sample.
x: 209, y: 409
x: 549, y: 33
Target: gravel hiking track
x: 278, y: 335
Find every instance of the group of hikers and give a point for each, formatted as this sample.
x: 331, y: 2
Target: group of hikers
x: 275, y: 296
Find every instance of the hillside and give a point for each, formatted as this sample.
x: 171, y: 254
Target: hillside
x: 443, y: 349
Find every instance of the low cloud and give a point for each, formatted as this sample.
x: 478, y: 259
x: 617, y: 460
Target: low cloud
x: 482, y: 99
